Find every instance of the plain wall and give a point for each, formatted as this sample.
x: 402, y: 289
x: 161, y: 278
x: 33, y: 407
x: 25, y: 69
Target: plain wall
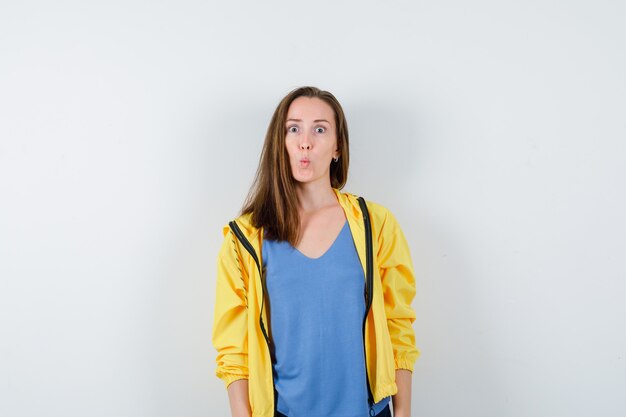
x: 130, y: 133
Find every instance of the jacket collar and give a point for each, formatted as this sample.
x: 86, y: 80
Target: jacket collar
x: 348, y: 202
x: 350, y: 205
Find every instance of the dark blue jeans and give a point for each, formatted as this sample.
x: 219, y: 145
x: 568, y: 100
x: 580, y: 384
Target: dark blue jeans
x: 385, y: 412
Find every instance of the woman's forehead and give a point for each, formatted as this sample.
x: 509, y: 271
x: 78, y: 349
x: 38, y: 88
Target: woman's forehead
x: 310, y: 108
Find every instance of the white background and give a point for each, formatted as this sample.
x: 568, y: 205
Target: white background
x: 130, y: 132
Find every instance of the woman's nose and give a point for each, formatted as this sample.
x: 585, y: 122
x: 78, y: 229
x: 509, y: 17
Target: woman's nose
x: 304, y: 142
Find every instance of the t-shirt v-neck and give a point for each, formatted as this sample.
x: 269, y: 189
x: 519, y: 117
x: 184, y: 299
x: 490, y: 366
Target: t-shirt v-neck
x: 345, y: 225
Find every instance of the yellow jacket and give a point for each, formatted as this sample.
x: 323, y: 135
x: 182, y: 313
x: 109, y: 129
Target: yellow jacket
x: 240, y: 317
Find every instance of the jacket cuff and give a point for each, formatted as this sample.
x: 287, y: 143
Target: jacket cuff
x: 403, y: 362
x: 230, y: 378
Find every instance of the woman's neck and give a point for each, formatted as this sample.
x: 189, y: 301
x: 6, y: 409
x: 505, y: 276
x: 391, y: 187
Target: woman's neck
x: 315, y: 196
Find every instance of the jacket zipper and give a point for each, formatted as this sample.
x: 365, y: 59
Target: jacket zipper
x: 246, y: 244
x: 369, y: 289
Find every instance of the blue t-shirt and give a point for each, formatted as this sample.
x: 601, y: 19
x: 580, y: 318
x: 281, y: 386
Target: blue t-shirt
x: 316, y: 323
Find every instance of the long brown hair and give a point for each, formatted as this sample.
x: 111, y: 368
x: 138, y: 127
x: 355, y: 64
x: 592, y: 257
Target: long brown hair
x: 272, y: 199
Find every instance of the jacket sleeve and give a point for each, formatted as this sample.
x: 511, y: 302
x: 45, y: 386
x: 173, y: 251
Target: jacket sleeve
x: 230, y: 319
x: 398, y: 282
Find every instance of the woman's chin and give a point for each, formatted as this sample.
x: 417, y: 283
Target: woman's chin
x: 304, y: 175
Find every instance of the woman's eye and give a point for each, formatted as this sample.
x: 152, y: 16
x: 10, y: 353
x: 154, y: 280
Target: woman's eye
x: 320, y: 129
x: 292, y: 129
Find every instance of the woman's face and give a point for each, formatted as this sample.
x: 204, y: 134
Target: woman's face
x: 311, y: 139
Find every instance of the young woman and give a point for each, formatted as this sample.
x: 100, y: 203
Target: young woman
x: 313, y: 313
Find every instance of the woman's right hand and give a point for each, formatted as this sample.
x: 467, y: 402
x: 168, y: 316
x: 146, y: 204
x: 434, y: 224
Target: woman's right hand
x: 238, y: 398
